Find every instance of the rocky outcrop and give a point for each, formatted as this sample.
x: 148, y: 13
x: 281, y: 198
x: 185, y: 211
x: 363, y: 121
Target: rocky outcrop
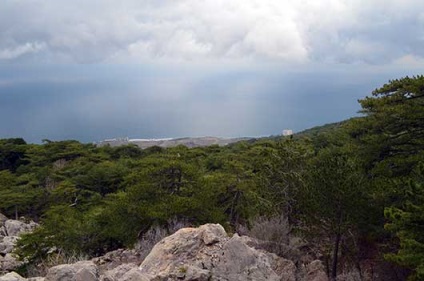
x: 16, y: 228
x: 114, y: 259
x: 12, y: 276
x: 9, y: 234
x: 206, y: 253
x: 3, y: 218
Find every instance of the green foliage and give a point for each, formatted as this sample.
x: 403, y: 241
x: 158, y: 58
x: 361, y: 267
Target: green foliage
x: 407, y: 221
x: 281, y: 173
x: 393, y: 130
x: 391, y: 139
x: 336, y: 197
x: 12, y: 154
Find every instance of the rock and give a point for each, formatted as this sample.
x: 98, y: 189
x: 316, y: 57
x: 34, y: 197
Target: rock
x: 116, y: 258
x: 286, y: 269
x: 207, y: 253
x: 213, y: 233
x: 15, y: 228
x: 117, y: 273
x: 135, y: 275
x: 7, y: 244
x: 2, y: 231
x: 12, y: 276
x: 3, y: 218
x: 85, y: 274
x: 73, y: 272
x: 36, y: 279
x: 63, y: 272
x: 9, y: 262
x: 315, y: 271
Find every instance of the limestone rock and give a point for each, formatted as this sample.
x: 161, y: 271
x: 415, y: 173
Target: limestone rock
x: 207, y: 253
x: 86, y: 274
x: 2, y: 231
x: 3, y: 218
x: 7, y: 244
x: 15, y: 228
x: 114, y: 259
x: 135, y: 275
x: 12, y: 276
x: 315, y: 271
x: 9, y: 262
x: 84, y: 270
x: 118, y: 272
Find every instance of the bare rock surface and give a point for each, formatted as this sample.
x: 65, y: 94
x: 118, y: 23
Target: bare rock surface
x: 3, y: 218
x: 207, y: 253
x: 118, y: 272
x: 12, y: 276
x: 16, y: 228
x: 7, y: 244
x: 8, y: 263
x: 9, y: 234
x: 79, y: 271
x: 2, y: 231
x: 114, y: 259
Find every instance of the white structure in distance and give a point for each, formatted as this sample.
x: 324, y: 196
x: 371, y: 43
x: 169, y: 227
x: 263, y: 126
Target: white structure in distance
x: 287, y: 132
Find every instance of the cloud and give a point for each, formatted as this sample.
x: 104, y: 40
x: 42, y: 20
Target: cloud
x: 20, y: 50
x: 88, y: 31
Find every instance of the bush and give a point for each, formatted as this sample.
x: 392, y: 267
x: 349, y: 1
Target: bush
x: 274, y: 235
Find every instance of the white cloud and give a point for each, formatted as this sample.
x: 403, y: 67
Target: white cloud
x: 291, y: 31
x: 20, y: 50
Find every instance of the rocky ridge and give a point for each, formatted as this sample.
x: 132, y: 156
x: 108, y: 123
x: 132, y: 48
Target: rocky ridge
x: 206, y: 253
x: 9, y: 234
x: 188, y: 141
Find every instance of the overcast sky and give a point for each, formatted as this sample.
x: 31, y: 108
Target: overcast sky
x: 91, y: 69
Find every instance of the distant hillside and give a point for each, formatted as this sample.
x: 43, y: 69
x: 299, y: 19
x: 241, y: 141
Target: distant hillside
x: 189, y: 142
x: 206, y: 141
x: 320, y: 129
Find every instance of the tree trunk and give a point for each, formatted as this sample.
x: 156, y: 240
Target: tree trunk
x: 327, y: 264
x: 337, y: 244
x: 335, y: 256
x: 16, y: 212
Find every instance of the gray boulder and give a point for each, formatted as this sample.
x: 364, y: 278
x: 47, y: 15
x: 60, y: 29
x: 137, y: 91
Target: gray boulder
x: 7, y: 244
x: 135, y: 275
x: 2, y: 231
x: 80, y: 271
x: 118, y: 272
x: 8, y: 263
x: 12, y: 276
x: 15, y: 228
x: 207, y: 253
x: 116, y: 258
x: 3, y: 218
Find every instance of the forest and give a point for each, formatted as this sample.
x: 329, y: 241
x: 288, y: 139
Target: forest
x: 345, y: 189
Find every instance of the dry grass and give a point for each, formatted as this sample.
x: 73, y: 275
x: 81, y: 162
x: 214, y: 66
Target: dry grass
x: 56, y: 258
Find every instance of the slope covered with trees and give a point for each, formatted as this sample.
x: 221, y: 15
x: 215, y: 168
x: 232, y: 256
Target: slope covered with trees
x: 342, y: 189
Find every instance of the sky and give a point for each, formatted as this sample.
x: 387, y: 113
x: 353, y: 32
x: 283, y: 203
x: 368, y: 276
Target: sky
x: 96, y: 69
